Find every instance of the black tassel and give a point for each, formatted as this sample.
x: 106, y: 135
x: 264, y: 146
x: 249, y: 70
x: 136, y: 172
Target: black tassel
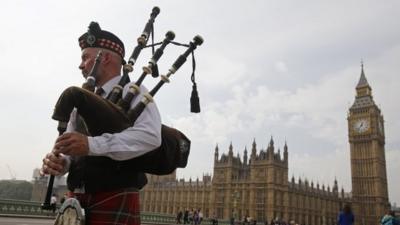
x: 194, y: 100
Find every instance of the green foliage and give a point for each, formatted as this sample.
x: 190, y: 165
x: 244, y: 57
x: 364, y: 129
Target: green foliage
x: 21, y: 190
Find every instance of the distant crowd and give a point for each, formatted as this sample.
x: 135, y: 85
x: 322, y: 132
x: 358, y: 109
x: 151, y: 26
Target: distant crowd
x: 192, y: 216
x: 345, y: 217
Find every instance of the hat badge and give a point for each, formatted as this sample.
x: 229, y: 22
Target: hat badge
x: 91, y: 39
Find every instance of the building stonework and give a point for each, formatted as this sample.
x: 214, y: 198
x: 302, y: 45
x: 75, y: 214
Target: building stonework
x: 258, y: 185
x: 40, y: 184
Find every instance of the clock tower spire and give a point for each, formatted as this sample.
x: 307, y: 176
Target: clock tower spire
x: 363, y: 89
x: 367, y: 154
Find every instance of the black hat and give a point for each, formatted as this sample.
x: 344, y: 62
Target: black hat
x: 97, y: 38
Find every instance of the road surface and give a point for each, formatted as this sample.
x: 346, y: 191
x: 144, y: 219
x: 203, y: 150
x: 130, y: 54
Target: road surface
x: 25, y: 221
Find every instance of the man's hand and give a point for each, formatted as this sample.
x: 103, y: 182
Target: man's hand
x: 72, y: 144
x: 52, y: 164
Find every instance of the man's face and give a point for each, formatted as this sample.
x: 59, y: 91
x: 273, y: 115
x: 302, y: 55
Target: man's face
x: 87, y: 60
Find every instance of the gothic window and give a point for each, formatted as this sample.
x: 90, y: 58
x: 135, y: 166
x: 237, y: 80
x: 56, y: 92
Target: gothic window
x: 220, y: 212
x: 278, y: 198
x: 260, y: 197
x: 260, y: 215
x: 220, y: 196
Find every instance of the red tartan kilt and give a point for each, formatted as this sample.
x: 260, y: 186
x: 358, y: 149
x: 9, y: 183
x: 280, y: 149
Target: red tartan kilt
x: 111, y: 208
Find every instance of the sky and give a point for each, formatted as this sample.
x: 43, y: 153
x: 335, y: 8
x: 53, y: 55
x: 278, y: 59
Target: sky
x: 281, y: 69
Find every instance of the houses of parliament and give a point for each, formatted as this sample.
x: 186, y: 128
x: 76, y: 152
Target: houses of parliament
x: 258, y: 185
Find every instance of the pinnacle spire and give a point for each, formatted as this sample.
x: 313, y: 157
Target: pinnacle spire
x: 285, y: 147
x: 245, y: 155
x: 363, y: 80
x: 254, y: 148
x: 363, y: 93
x: 216, y: 154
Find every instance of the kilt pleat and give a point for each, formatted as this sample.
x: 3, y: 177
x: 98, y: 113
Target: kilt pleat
x: 111, y: 208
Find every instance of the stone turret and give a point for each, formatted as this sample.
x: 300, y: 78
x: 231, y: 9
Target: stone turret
x: 271, y: 142
x: 335, y: 187
x: 230, y: 153
x: 270, y: 149
x: 285, y: 153
x: 245, y: 156
x: 216, y: 153
x: 342, y: 193
x: 253, y: 151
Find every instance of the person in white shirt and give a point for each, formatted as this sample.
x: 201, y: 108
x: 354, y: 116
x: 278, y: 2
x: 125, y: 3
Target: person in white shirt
x: 53, y: 203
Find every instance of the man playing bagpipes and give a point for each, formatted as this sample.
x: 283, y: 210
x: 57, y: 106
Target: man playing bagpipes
x: 106, y: 190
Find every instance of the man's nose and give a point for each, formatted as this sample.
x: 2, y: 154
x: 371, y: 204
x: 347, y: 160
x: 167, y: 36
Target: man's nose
x: 81, y: 66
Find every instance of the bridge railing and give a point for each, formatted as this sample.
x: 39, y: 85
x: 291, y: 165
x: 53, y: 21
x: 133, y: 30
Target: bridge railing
x: 21, y: 207
x: 157, y: 218
x: 18, y: 208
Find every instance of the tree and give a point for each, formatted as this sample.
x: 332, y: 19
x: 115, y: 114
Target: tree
x: 12, y: 189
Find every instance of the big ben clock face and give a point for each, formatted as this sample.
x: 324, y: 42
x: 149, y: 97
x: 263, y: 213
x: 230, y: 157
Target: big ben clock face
x: 361, y: 126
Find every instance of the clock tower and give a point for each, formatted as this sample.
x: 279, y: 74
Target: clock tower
x: 367, y: 154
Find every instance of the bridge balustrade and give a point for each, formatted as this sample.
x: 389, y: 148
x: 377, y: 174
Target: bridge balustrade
x: 21, y: 208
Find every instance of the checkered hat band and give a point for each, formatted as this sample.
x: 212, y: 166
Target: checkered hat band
x: 104, y: 43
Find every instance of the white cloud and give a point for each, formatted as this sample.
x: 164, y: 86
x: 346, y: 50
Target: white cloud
x: 281, y: 67
x: 222, y: 71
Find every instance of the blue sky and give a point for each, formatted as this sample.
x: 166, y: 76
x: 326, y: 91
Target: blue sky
x: 281, y: 68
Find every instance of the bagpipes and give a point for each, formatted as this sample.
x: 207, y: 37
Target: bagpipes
x: 113, y: 114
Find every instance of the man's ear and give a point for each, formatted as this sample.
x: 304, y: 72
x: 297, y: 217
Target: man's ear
x: 106, y: 57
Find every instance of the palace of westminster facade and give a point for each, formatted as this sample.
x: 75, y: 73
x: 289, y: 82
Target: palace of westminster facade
x: 258, y: 185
